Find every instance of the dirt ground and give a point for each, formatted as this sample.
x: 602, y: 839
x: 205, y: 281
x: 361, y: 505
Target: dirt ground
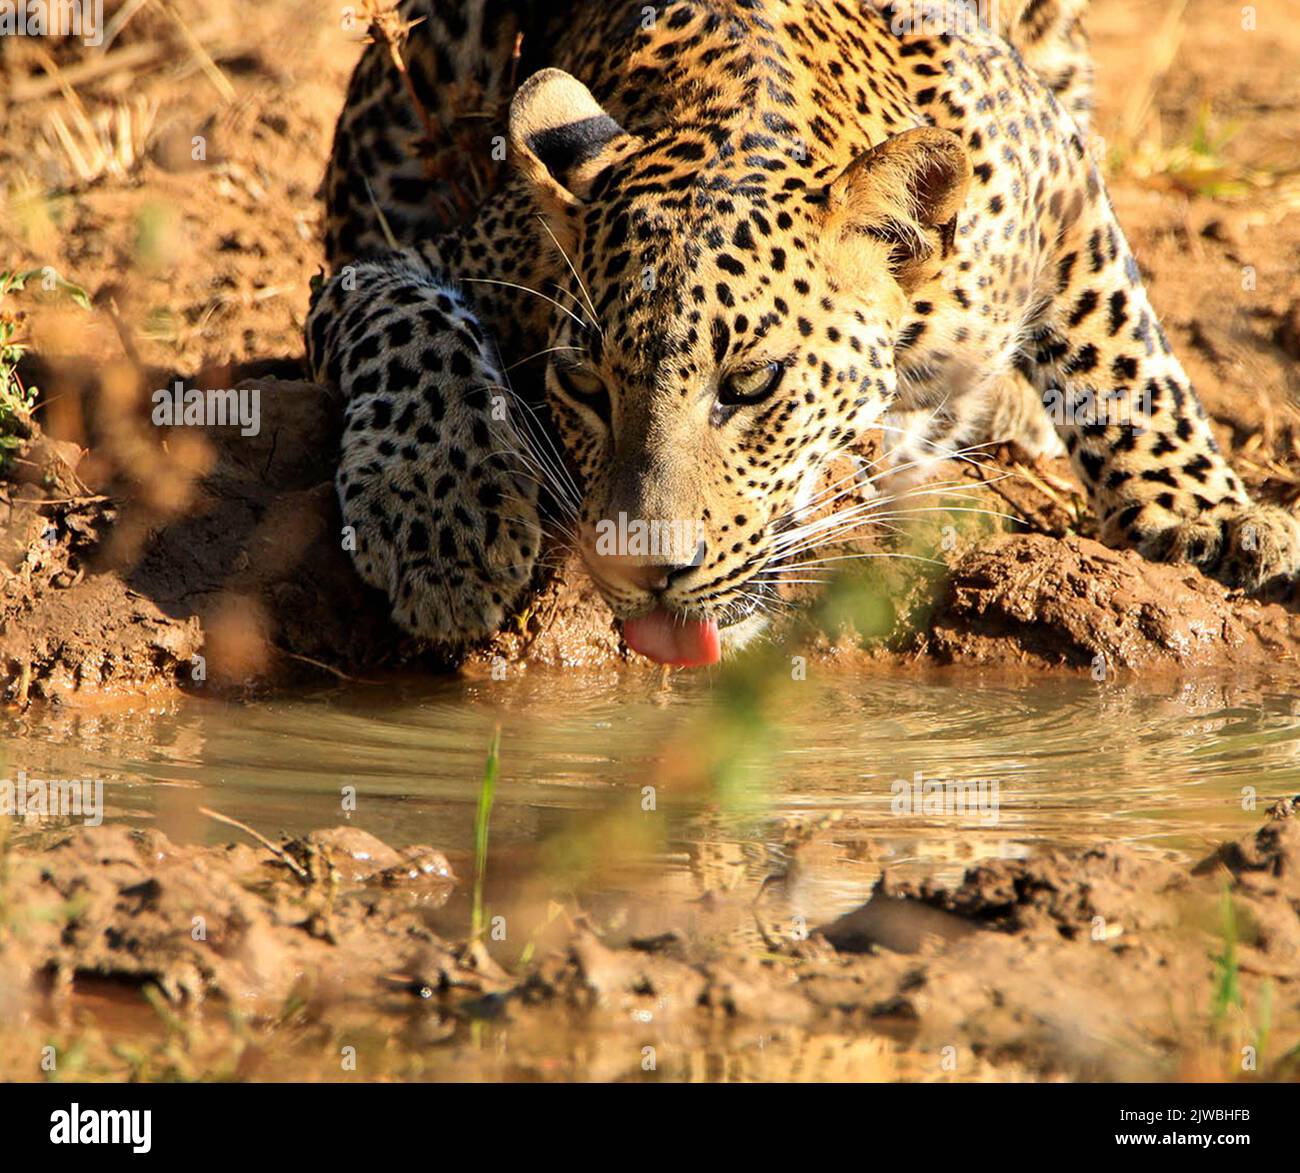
x: 1104, y: 965
x: 174, y: 179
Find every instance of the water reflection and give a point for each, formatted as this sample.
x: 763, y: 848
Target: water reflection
x: 1170, y: 768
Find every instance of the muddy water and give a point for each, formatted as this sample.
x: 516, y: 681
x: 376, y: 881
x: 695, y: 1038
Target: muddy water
x: 1168, y: 767
x: 810, y: 802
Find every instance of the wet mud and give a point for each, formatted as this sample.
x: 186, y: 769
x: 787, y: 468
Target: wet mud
x: 1097, y: 964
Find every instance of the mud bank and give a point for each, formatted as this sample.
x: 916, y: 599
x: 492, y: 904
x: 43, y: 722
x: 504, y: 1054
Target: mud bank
x: 1096, y: 964
x: 207, y: 559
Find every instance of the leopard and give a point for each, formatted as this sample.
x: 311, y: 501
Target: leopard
x: 666, y: 262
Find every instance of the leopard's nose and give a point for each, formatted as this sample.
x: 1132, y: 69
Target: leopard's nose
x: 638, y: 574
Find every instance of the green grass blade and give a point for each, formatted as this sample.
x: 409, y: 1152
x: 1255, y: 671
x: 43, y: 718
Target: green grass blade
x: 486, y: 792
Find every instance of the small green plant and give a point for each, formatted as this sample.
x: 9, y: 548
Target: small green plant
x: 1197, y: 164
x: 1231, y: 1024
x: 16, y: 399
x: 486, y: 792
x: 1227, y: 970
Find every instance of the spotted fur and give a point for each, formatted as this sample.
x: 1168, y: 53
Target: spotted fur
x: 668, y: 261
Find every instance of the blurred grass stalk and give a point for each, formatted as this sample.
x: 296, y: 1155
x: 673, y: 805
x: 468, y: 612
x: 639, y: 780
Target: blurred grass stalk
x: 1164, y: 48
x: 486, y: 793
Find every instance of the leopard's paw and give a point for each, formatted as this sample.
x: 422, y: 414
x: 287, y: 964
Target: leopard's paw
x: 454, y: 550
x: 1254, y: 547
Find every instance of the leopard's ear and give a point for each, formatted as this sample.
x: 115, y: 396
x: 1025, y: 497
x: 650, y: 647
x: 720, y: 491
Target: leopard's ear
x: 561, y: 138
x: 905, y: 192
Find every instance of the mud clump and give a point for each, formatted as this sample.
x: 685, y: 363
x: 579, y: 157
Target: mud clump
x: 1070, y: 960
x: 1038, y: 601
x: 1063, y: 964
x: 234, y: 923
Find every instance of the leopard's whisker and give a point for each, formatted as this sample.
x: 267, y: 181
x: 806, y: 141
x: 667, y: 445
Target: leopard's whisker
x: 548, y: 450
x: 563, y: 521
x: 861, y: 554
x: 542, y: 354
x: 547, y: 465
x: 941, y: 453
x: 525, y: 289
x: 859, y: 523
x: 591, y: 307
x: 552, y: 524
x: 529, y: 468
x: 956, y: 487
x: 820, y: 500
x: 837, y: 525
x: 543, y: 452
x: 832, y: 521
x: 542, y: 484
x: 856, y: 522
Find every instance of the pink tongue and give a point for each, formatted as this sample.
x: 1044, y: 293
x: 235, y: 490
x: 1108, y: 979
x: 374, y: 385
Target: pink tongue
x: 667, y: 639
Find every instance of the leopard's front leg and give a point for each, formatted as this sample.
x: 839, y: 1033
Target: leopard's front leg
x: 1134, y: 428
x: 443, y: 514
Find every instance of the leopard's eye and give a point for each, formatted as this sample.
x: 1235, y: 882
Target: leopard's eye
x: 745, y: 388
x: 585, y: 387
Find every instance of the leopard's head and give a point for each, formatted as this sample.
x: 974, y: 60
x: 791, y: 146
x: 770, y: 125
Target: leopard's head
x: 726, y: 326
